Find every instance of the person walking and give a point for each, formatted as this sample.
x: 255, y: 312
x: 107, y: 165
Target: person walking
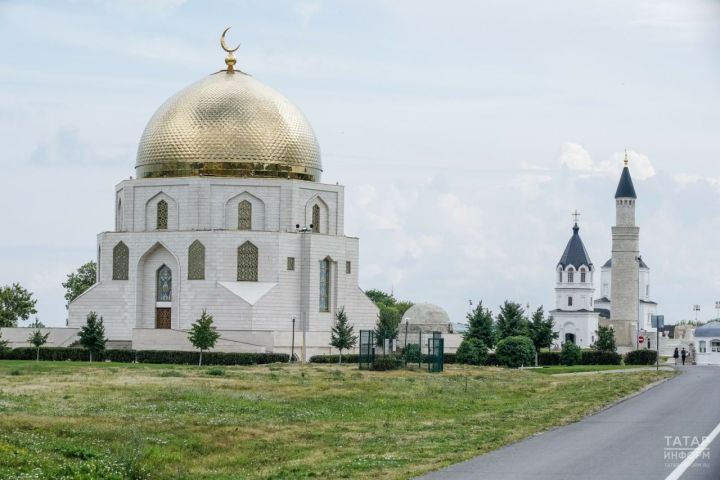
x: 683, y: 354
x: 676, y: 355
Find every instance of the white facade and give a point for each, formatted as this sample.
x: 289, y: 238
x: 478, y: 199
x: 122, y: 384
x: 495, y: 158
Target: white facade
x: 707, y: 344
x: 206, y: 210
x: 574, y: 317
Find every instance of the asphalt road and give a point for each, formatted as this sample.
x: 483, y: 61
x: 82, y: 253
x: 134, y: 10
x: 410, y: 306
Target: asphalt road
x: 644, y: 437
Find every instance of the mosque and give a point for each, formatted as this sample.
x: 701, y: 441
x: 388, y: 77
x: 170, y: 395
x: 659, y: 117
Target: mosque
x: 625, y: 303
x: 227, y: 213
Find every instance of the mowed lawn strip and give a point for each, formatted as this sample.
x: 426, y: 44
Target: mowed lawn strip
x: 76, y: 420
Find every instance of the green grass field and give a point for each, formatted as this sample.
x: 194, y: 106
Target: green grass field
x: 114, y: 421
x: 583, y: 368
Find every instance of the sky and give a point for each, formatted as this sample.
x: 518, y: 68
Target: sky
x: 465, y: 132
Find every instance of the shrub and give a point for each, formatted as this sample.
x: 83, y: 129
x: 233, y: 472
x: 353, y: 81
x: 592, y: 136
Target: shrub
x: 347, y: 358
x: 548, y: 358
x: 570, y: 354
x: 412, y: 353
x: 216, y: 371
x: 146, y: 356
x: 472, y: 351
x: 515, y: 351
x: 641, y: 357
x: 595, y: 357
x: 387, y: 362
x: 491, y: 360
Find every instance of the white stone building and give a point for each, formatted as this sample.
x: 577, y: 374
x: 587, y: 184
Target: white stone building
x: 575, y: 319
x: 227, y: 214
x: 707, y: 344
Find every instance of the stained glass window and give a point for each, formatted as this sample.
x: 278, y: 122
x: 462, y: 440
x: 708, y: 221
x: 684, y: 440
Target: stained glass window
x: 196, y: 261
x: 316, y: 218
x: 325, y: 285
x: 247, y: 263
x: 121, y: 261
x: 245, y: 215
x: 164, y: 284
x: 291, y: 263
x: 162, y: 215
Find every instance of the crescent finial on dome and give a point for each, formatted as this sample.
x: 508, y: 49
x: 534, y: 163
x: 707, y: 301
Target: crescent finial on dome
x: 230, y: 59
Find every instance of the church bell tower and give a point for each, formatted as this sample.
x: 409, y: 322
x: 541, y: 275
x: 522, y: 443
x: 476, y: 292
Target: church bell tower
x: 625, y: 263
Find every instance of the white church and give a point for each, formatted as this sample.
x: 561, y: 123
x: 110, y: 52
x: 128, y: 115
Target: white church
x: 227, y: 213
x: 625, y: 303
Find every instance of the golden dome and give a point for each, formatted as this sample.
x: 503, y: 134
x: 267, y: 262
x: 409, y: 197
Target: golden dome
x: 229, y: 124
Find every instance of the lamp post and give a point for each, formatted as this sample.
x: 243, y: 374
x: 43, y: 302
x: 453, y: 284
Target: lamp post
x: 717, y: 310
x: 292, y: 347
x: 696, y: 308
x: 637, y: 332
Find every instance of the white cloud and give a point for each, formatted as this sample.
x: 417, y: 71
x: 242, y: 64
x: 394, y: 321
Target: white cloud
x: 575, y: 157
x: 640, y: 166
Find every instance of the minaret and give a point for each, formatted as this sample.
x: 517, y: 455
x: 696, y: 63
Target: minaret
x: 625, y: 257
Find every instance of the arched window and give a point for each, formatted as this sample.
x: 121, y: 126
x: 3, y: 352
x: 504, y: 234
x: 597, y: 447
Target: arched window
x: 316, y: 218
x: 162, y: 215
x: 325, y: 285
x: 245, y: 215
x: 121, y: 261
x: 560, y: 276
x: 247, y: 263
x: 571, y: 275
x: 119, y: 216
x: 163, y: 289
x: 582, y: 275
x: 569, y: 301
x: 196, y: 261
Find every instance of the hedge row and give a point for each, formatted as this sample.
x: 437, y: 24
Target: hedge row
x: 641, y: 357
x: 589, y: 357
x: 145, y: 356
x: 349, y: 358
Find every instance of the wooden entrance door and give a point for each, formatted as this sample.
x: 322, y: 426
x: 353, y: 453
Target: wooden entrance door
x: 162, y: 318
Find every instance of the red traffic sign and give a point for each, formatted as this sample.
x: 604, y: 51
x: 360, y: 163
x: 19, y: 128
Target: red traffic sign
x: 641, y: 339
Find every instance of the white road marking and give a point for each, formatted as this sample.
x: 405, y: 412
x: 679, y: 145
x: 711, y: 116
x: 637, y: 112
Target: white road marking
x: 690, y: 459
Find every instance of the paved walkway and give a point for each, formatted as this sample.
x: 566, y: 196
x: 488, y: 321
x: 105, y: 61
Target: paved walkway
x: 645, y: 437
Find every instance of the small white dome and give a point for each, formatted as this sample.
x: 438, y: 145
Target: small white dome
x: 427, y: 317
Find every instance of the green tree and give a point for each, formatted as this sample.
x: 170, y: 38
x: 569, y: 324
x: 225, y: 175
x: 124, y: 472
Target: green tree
x: 37, y: 339
x: 202, y: 334
x: 570, y: 354
x: 388, y: 299
x: 16, y: 303
x: 387, y: 324
x: 511, y: 321
x: 480, y: 325
x: 540, y: 331
x: 515, y: 351
x: 79, y: 281
x: 403, y: 306
x: 471, y: 351
x: 92, y: 334
x: 36, y: 324
x: 3, y: 344
x: 605, y: 341
x: 378, y: 296
x: 341, y: 335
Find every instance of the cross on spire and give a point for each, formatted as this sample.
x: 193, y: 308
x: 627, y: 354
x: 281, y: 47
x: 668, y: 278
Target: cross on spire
x: 575, y: 216
x: 626, y: 159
